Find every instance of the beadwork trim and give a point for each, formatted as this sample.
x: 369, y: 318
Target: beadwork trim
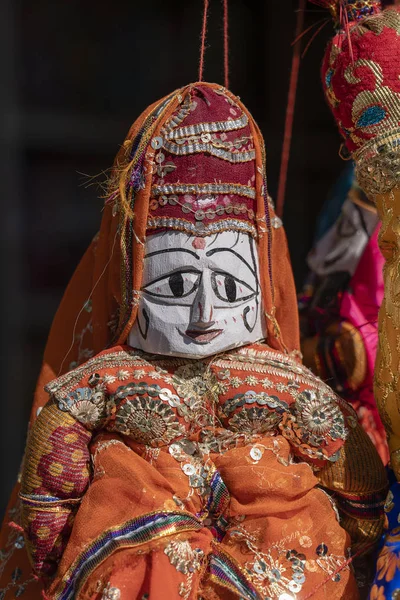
x: 357, y: 10
x: 197, y: 148
x: 199, y: 228
x: 213, y: 127
x: 378, y: 164
x: 207, y: 213
x: 204, y: 188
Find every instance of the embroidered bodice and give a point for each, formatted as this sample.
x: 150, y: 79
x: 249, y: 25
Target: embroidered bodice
x: 156, y: 401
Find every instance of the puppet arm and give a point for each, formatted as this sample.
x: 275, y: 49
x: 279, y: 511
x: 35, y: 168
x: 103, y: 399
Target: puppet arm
x: 358, y: 483
x: 55, y: 477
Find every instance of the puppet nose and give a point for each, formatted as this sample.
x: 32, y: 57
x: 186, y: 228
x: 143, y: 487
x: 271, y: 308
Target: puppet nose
x: 202, y: 315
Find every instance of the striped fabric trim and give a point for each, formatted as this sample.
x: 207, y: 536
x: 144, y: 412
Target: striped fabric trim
x: 204, y: 188
x: 219, y: 497
x: 197, y: 148
x: 133, y: 533
x: 213, y: 127
x: 362, y: 507
x: 226, y: 573
x: 199, y: 228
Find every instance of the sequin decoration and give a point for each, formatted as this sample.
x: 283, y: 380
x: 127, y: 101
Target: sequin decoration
x: 200, y: 228
x: 111, y: 593
x: 359, y: 9
x: 203, y: 188
x: 254, y: 420
x: 183, y: 557
x: 218, y: 146
x: 86, y: 405
x: 148, y: 421
x: 319, y: 416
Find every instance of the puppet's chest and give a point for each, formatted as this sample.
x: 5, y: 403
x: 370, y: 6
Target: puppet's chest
x: 157, y: 400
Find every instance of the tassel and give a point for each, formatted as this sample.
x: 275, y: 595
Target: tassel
x: 345, y: 12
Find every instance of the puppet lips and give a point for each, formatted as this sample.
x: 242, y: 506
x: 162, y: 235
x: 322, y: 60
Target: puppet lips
x: 202, y: 337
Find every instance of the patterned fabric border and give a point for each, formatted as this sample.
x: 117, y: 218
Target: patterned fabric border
x: 199, y: 228
x: 219, y: 497
x: 204, y: 188
x: 197, y: 148
x: 362, y: 507
x: 201, y: 128
x: 136, y: 532
x: 225, y: 572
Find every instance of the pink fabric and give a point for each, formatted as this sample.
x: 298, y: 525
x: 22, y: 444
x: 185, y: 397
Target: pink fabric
x: 360, y: 306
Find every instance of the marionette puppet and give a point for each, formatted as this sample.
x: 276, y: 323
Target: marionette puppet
x: 340, y: 301
x: 181, y: 450
x: 195, y: 456
x: 361, y: 80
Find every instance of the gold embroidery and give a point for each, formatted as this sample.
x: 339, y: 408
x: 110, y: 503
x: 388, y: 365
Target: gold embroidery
x: 387, y: 390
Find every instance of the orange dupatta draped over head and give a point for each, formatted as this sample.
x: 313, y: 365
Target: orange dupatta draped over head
x: 100, y: 304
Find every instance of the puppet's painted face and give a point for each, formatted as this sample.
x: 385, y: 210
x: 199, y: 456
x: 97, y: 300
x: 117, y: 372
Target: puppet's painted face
x: 200, y: 296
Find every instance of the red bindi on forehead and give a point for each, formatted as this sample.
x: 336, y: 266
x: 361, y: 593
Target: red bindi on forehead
x: 199, y: 243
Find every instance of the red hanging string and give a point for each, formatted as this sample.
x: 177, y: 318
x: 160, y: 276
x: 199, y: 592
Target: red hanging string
x: 226, y: 45
x: 287, y: 137
x: 338, y: 570
x: 203, y: 40
x: 320, y: 28
x: 305, y: 31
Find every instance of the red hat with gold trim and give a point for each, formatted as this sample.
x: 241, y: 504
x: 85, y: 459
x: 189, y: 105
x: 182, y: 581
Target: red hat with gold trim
x: 204, y: 167
x: 360, y: 76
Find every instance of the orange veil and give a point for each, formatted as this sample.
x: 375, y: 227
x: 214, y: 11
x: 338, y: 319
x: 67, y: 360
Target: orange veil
x: 100, y: 304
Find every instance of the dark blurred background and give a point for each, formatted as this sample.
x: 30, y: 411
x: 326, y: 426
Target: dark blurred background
x: 73, y: 76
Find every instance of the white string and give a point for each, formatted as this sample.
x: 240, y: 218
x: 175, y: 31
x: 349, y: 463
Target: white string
x: 83, y: 307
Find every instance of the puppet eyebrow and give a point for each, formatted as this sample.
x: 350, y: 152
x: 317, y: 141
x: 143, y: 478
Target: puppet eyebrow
x: 172, y: 250
x: 215, y: 250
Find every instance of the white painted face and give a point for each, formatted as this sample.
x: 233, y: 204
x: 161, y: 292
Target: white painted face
x: 200, y: 296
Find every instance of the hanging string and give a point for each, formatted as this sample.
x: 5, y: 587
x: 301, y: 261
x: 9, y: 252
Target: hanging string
x: 226, y: 45
x: 338, y: 570
x: 287, y: 137
x: 203, y: 40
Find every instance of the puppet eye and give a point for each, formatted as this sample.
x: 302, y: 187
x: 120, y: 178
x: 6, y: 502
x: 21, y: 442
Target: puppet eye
x: 178, y: 284
x: 229, y: 289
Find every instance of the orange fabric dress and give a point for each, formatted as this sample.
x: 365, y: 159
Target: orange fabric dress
x: 148, y: 477
x: 216, y: 479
